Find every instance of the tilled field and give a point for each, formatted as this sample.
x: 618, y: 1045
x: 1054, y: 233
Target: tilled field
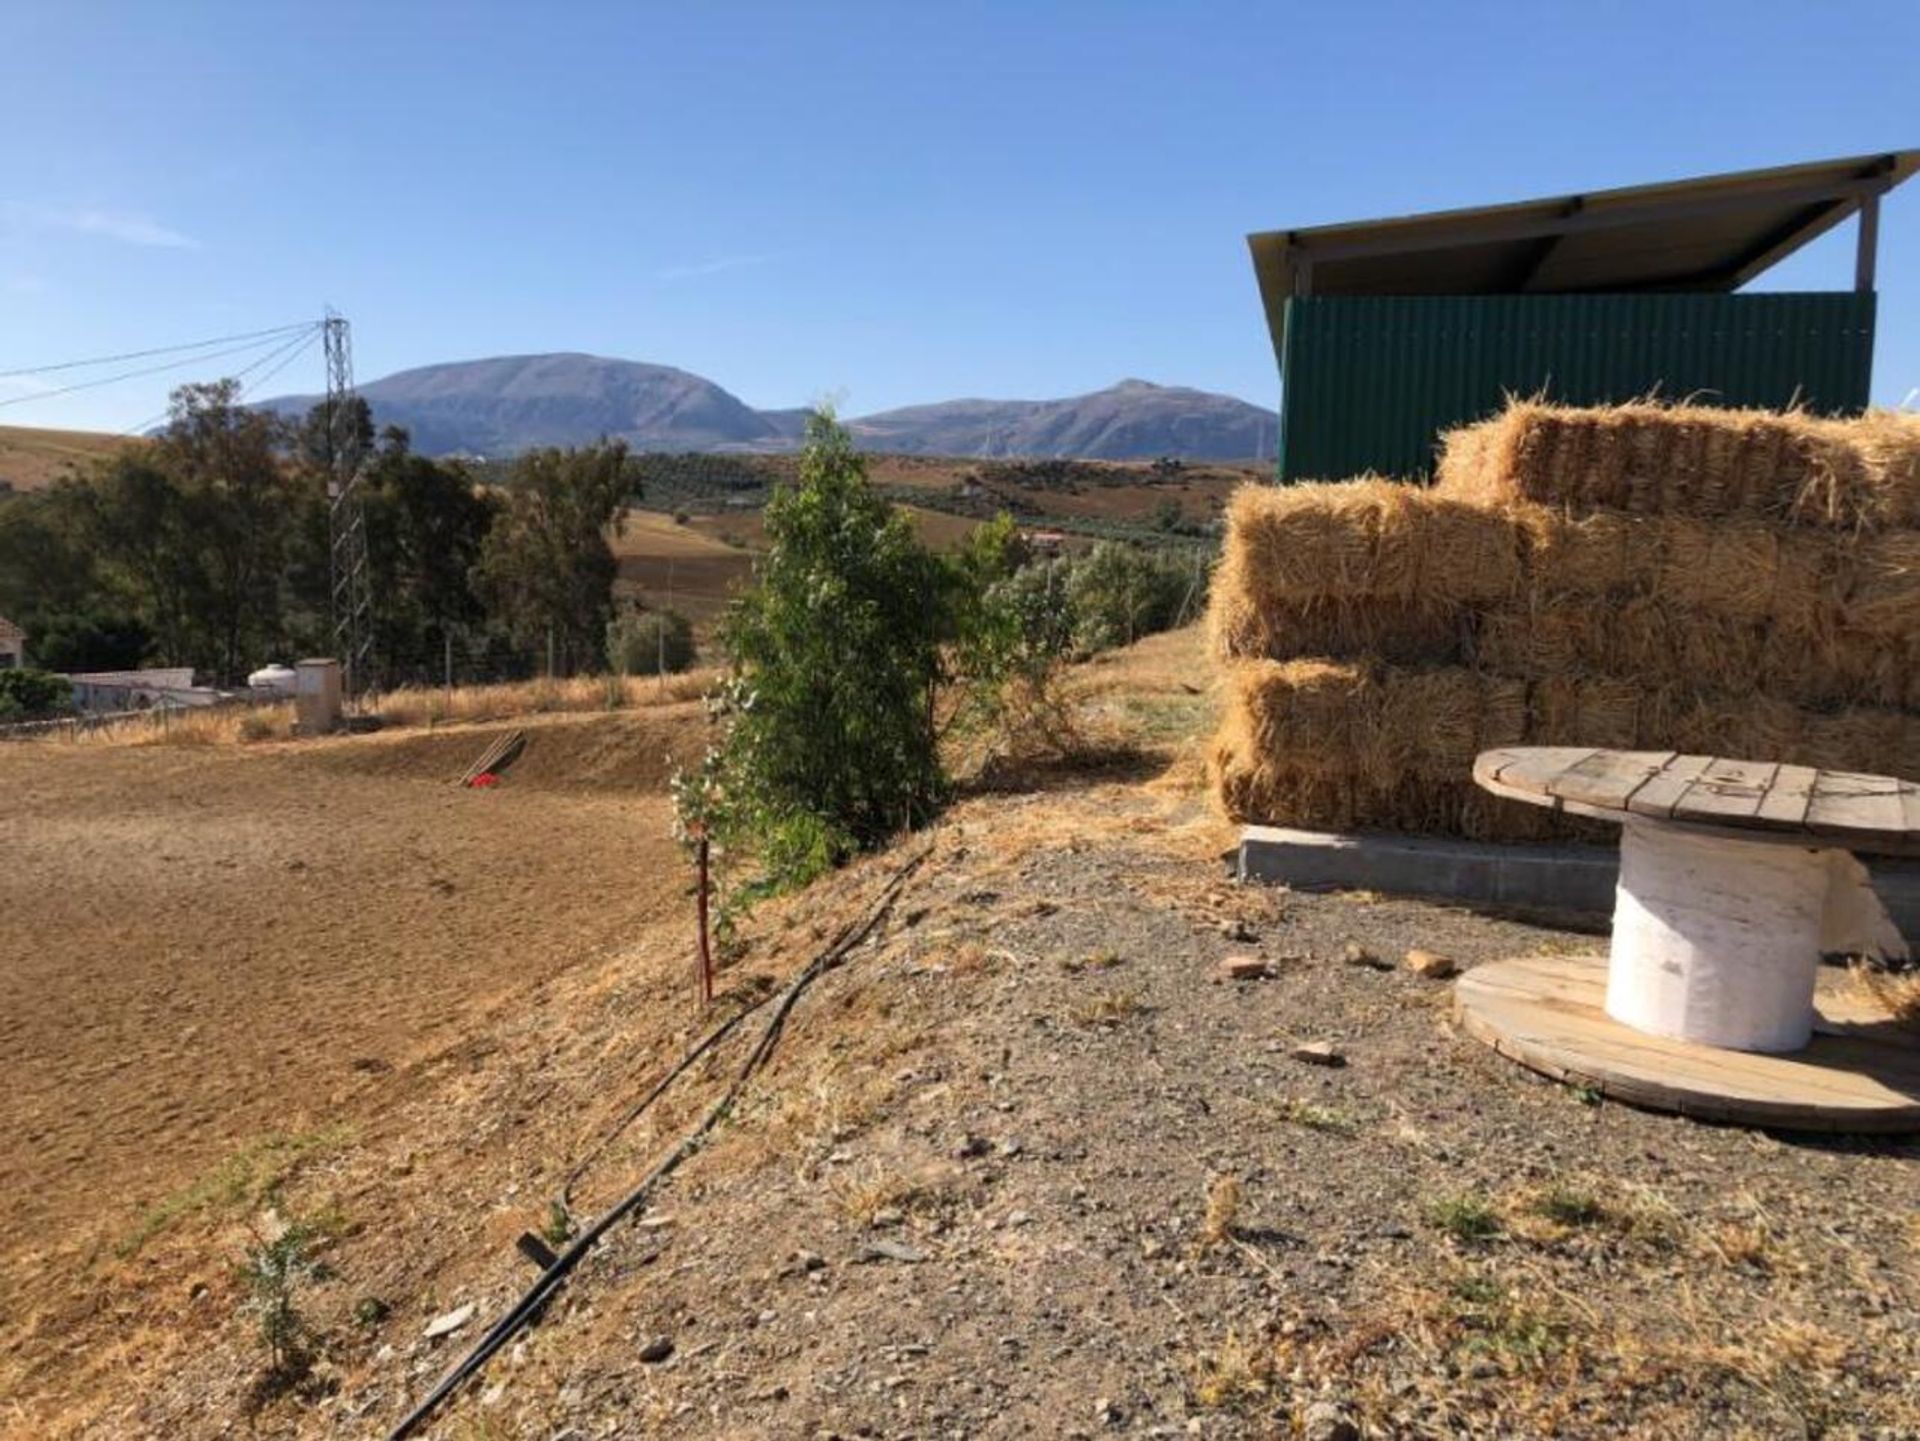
x: 220, y: 962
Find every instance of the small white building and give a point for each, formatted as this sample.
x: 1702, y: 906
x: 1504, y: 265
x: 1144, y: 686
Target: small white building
x: 13, y: 645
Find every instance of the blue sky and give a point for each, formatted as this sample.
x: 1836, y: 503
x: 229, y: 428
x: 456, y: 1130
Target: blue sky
x: 881, y: 204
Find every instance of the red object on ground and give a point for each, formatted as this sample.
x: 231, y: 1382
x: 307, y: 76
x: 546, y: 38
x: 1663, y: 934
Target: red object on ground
x: 485, y: 779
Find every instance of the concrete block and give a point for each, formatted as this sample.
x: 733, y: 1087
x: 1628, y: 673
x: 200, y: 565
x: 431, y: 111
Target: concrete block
x: 1548, y: 878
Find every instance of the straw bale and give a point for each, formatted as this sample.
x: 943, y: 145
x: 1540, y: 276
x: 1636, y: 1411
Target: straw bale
x: 1580, y: 710
x: 1789, y: 467
x: 1885, y: 594
x: 1339, y: 627
x: 1859, y: 738
x: 1365, y: 538
x: 1837, y: 667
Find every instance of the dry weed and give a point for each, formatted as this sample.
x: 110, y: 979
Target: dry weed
x: 1223, y: 1209
x: 1233, y: 1375
x: 1109, y: 1008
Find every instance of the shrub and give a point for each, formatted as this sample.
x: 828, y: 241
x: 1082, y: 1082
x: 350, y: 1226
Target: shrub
x: 1121, y: 593
x: 650, y: 642
x: 274, y: 1272
x: 829, y: 745
x: 26, y: 694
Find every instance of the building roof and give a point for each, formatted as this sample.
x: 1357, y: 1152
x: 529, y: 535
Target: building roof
x: 10, y: 631
x: 1713, y: 233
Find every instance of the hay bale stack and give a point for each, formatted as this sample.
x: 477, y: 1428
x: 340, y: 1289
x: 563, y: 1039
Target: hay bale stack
x: 1645, y: 458
x: 1633, y: 576
x: 1361, y: 567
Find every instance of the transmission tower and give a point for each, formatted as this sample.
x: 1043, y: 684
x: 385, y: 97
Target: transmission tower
x: 346, y: 516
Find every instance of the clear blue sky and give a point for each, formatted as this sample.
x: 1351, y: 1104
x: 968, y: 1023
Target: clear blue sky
x: 881, y: 203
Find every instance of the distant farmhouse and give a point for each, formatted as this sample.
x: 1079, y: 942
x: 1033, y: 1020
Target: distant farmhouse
x: 13, y: 645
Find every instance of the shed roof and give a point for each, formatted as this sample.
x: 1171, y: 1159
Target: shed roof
x: 10, y: 631
x: 1713, y: 233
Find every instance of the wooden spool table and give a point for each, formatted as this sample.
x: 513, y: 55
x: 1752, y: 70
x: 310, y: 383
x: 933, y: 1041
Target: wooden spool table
x: 1735, y: 878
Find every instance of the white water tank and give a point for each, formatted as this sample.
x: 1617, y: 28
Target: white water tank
x: 274, y: 679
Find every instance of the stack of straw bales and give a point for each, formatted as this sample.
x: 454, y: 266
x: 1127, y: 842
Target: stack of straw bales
x: 1739, y: 582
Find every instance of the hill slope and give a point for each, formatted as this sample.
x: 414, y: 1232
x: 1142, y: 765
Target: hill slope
x: 32, y: 458
x: 513, y: 402
x: 1134, y: 420
x: 510, y: 403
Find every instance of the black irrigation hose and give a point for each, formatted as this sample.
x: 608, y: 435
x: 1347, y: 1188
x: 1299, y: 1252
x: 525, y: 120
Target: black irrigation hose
x: 522, y: 1312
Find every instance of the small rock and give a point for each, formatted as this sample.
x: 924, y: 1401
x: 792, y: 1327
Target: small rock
x: 657, y: 1350
x: 1325, y: 1421
x: 1431, y: 964
x: 893, y: 1251
x: 1104, y: 1410
x: 1318, y: 1053
x: 1245, y: 968
x: 452, y: 1321
x: 972, y: 1147
x: 812, y: 1261
x: 1355, y: 954
x: 654, y: 1223
x: 888, y: 1217
x: 1018, y: 1218
x: 1010, y: 1147
x: 1237, y: 930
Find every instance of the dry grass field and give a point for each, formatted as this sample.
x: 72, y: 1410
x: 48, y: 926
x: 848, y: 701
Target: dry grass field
x: 32, y: 459
x: 1024, y: 1164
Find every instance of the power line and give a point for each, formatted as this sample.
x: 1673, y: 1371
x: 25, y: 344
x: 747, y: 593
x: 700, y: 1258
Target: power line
x: 292, y: 350
x: 298, y: 346
x: 137, y: 374
x: 157, y: 350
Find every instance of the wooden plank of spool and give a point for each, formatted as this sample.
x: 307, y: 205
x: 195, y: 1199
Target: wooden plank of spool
x: 1726, y: 791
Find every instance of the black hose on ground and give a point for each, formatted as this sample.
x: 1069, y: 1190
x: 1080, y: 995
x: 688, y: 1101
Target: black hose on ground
x: 522, y: 1312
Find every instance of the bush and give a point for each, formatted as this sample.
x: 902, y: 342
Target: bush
x: 829, y: 746
x: 27, y: 694
x: 650, y: 642
x: 1120, y: 593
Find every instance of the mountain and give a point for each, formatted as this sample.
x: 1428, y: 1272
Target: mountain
x: 1133, y: 420
x: 515, y: 402
x: 511, y: 403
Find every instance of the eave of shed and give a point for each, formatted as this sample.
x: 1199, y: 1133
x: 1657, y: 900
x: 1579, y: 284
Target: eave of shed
x: 1710, y: 234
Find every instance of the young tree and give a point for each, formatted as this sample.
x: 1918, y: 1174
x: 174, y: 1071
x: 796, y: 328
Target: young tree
x: 546, y: 566
x: 649, y: 642
x: 836, y: 651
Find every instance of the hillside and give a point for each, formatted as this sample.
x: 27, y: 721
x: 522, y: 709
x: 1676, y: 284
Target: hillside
x: 514, y: 402
x: 31, y: 459
x: 509, y: 403
x: 1023, y: 1163
x: 1134, y: 420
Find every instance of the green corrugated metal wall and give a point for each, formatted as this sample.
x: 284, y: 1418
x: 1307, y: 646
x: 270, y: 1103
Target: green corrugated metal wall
x: 1369, y: 382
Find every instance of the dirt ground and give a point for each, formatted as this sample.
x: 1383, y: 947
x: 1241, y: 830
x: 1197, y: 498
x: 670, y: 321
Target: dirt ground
x: 216, y: 960
x: 1024, y: 1164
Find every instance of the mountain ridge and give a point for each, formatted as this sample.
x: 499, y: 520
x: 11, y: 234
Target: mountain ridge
x: 499, y: 405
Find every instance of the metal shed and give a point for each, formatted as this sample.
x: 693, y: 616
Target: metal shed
x: 1391, y: 331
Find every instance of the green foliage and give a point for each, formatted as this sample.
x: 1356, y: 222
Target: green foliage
x: 1120, y: 593
x: 86, y: 639
x: 427, y: 523
x: 829, y: 744
x: 650, y: 642
x: 546, y: 567
x: 27, y: 694
x: 274, y: 1272
x: 1466, y: 1216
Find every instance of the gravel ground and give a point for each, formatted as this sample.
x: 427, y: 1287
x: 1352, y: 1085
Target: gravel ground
x: 1028, y: 1165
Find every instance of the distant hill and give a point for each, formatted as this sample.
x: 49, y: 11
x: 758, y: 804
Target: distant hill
x: 1133, y: 420
x: 31, y: 459
x: 511, y: 403
x: 515, y: 402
